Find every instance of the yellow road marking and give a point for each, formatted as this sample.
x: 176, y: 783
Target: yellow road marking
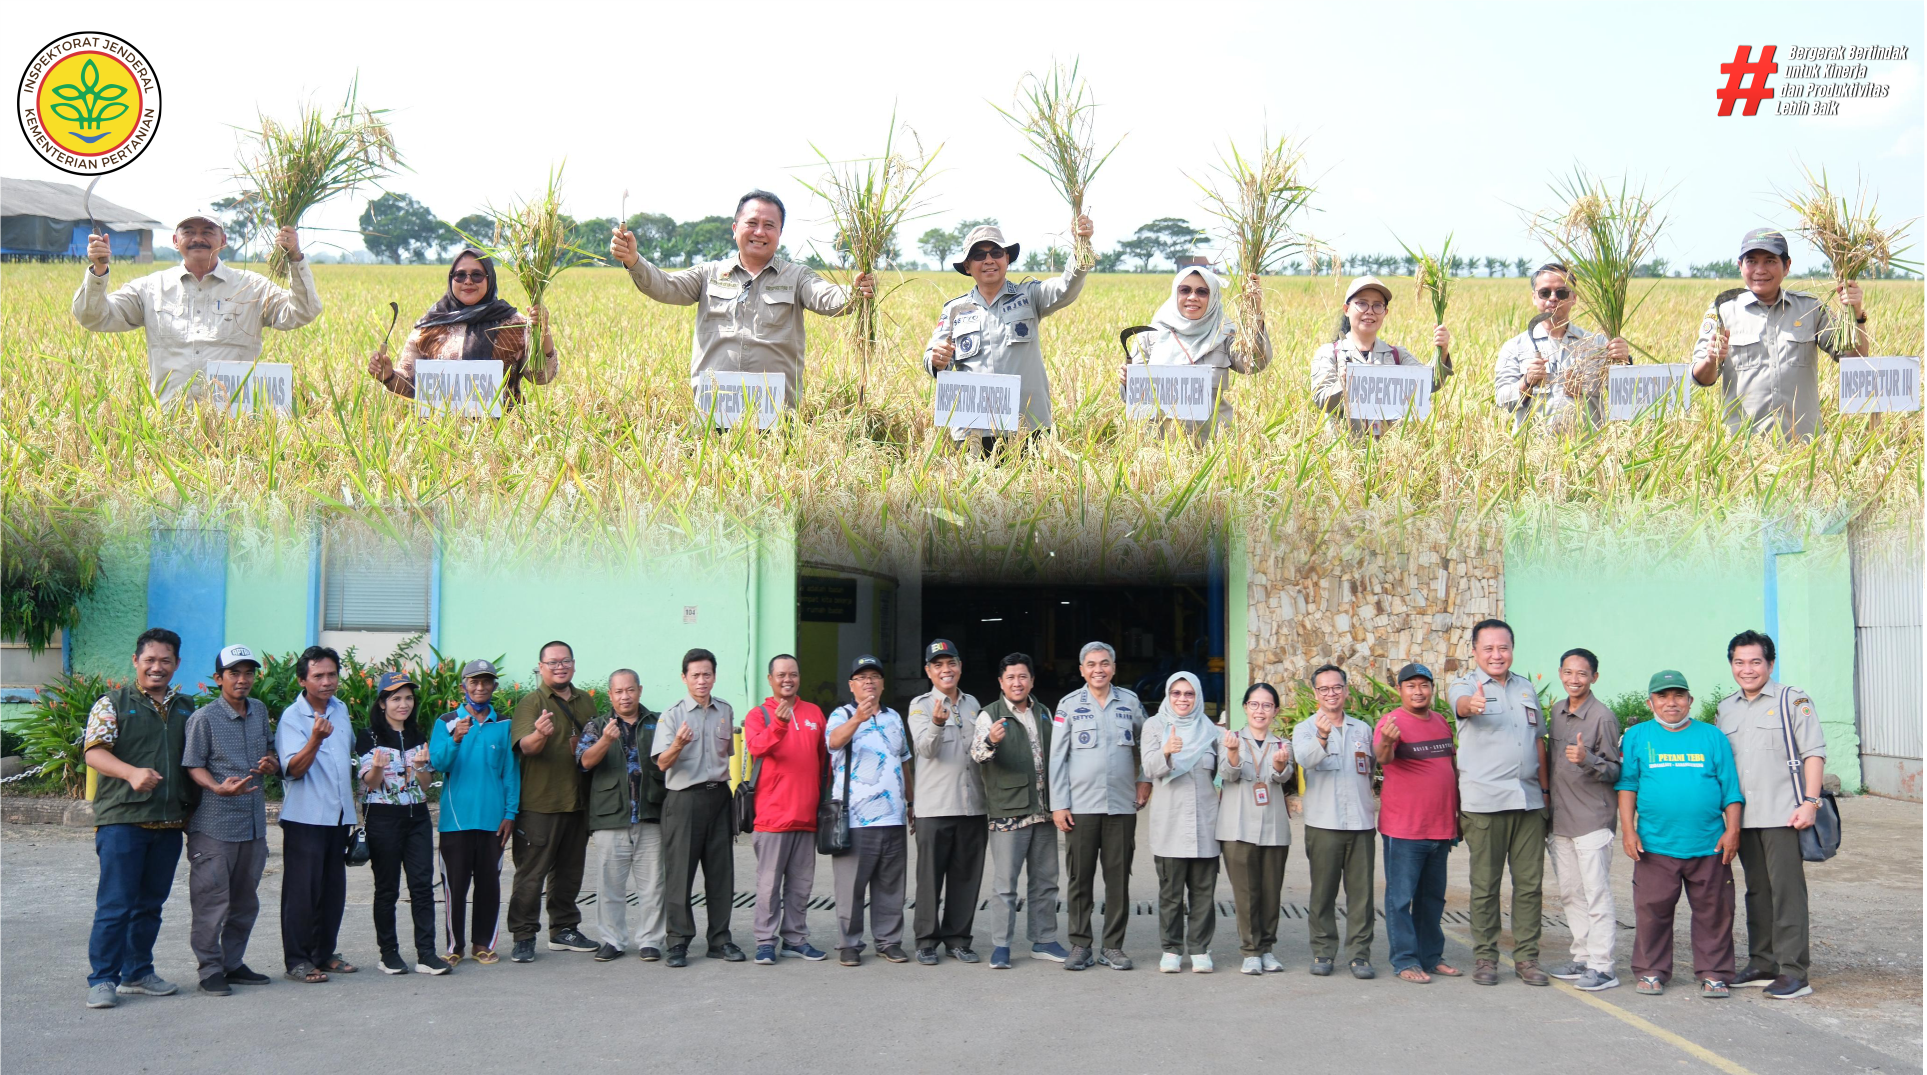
x: 1691, y: 1048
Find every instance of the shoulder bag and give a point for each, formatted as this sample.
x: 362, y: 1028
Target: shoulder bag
x: 832, y: 814
x: 1819, y: 841
x: 742, y: 805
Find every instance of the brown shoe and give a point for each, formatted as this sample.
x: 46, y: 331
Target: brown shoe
x: 1529, y: 972
x: 1486, y: 973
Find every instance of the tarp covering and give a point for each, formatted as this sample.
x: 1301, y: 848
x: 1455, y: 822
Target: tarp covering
x: 50, y: 219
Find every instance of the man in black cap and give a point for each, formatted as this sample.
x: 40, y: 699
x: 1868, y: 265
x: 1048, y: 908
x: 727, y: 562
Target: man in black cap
x: 1761, y: 342
x: 1418, y: 818
x: 868, y: 743
x: 952, y: 830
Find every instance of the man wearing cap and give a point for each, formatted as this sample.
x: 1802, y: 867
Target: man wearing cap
x: 1366, y: 303
x: 1502, y: 796
x: 1582, y: 750
x: 1679, y: 818
x: 992, y: 328
x: 695, y: 738
x: 1762, y: 342
x: 952, y: 829
x: 551, y: 828
x: 1552, y: 375
x: 481, y: 791
x: 1012, y: 747
x: 752, y: 302
x: 1418, y: 819
x: 1097, y: 786
x: 1757, y: 720
x: 625, y: 819
x: 868, y: 744
x: 1334, y: 752
x: 200, y: 311
x: 229, y: 751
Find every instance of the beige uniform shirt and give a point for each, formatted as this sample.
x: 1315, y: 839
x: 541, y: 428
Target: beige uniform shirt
x: 193, y: 322
x: 947, y: 781
x: 1546, y: 404
x: 1759, y: 750
x: 745, y: 324
x: 1002, y: 337
x: 705, y: 759
x: 1771, y: 376
x: 1328, y: 373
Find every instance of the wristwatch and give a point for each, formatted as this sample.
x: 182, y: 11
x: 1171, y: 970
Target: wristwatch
x: 1810, y: 800
x: 1860, y: 319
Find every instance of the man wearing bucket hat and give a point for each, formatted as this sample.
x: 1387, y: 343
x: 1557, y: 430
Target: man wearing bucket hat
x: 1761, y: 342
x: 199, y: 311
x: 1366, y: 302
x: 229, y: 751
x: 1679, y: 818
x: 481, y: 794
x: 953, y: 830
x: 992, y: 328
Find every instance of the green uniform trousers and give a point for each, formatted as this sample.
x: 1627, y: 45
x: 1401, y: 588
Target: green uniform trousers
x: 1776, y: 901
x: 1350, y: 856
x: 1504, y: 840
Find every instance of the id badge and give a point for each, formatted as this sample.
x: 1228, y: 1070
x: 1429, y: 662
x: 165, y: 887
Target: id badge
x: 1362, y: 762
x: 1261, y: 794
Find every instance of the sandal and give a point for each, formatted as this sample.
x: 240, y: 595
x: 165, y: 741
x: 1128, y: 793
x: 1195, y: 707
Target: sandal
x: 1448, y: 970
x: 486, y: 956
x: 1414, y: 975
x: 452, y: 958
x: 305, y: 972
x: 334, y: 964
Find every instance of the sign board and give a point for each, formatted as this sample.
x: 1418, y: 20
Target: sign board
x: 724, y: 399
x: 469, y: 389
x: 987, y: 401
x: 1387, y: 393
x: 1662, y: 389
x: 1182, y: 392
x: 1872, y: 385
x: 825, y: 600
x: 253, y: 387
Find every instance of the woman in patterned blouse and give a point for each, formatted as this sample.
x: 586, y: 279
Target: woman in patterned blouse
x: 391, y: 757
x: 470, y: 322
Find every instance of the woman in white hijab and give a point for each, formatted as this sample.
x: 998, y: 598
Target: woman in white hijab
x: 1181, y: 749
x: 1191, y: 329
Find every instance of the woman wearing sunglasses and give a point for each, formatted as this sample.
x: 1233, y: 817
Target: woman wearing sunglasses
x: 1190, y: 329
x: 470, y: 322
x: 1547, y: 372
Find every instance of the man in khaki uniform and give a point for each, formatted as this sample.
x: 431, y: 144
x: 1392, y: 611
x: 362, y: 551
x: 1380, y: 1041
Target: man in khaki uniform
x: 1762, y: 342
x: 551, y: 828
x: 1756, y: 720
x: 752, y: 302
x: 952, y: 826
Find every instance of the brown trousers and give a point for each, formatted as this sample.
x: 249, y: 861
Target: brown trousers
x: 1657, y: 881
x: 549, y: 853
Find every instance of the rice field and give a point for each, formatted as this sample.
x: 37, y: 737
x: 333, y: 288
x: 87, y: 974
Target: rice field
x: 613, y: 446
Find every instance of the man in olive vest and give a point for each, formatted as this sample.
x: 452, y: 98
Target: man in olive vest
x: 1012, y: 750
x: 134, y: 740
x: 625, y: 818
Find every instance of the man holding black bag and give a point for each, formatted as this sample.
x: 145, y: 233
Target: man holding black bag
x: 784, y: 736
x: 869, y: 742
x: 1760, y: 720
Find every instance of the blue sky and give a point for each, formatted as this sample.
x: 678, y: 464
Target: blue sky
x: 1419, y: 119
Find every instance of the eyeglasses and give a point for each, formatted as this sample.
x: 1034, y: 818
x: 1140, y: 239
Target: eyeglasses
x: 469, y: 276
x: 1185, y: 291
x: 1338, y: 688
x: 1560, y: 293
x: 563, y: 663
x: 1370, y: 307
x: 982, y: 252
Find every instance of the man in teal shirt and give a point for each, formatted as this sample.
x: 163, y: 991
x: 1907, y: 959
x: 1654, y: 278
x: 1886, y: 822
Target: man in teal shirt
x: 1679, y: 814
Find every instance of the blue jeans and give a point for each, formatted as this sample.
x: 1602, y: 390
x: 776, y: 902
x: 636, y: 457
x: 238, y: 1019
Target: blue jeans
x: 136, y: 873
x: 1415, y: 900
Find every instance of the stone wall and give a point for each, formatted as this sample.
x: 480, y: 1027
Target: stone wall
x: 1369, y: 598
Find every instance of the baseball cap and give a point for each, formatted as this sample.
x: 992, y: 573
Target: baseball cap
x: 1767, y: 239
x: 1368, y: 282
x: 1413, y: 671
x: 202, y: 217
x: 479, y: 668
x: 233, y: 655
x: 1668, y: 680
x: 941, y: 647
x: 390, y: 680
x: 865, y: 663
x: 984, y: 233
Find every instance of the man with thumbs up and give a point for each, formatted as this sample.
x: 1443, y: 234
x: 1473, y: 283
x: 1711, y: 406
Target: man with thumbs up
x: 1583, y: 741
x: 551, y: 829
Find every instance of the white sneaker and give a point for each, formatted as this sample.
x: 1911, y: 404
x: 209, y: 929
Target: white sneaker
x: 1272, y: 966
x: 1201, y: 964
x: 1170, y: 963
x: 1252, y: 965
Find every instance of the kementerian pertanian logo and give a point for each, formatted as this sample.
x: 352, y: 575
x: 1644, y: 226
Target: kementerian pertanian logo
x: 89, y: 103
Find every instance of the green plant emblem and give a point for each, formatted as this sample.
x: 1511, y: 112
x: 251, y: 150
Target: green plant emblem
x: 89, y: 104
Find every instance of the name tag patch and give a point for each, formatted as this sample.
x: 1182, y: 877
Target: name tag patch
x: 1261, y: 794
x: 1362, y: 762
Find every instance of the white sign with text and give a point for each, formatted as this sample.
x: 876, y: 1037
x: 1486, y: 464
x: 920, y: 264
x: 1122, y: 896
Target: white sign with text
x: 724, y: 399
x: 1882, y: 383
x: 253, y: 387
x: 1662, y: 389
x: 987, y: 401
x: 469, y: 389
x: 1182, y: 392
x: 1387, y: 393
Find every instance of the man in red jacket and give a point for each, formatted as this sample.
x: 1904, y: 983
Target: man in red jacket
x: 785, y: 737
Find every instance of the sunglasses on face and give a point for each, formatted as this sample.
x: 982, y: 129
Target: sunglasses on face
x: 469, y: 276
x: 982, y: 252
x: 1185, y: 291
x: 1560, y: 293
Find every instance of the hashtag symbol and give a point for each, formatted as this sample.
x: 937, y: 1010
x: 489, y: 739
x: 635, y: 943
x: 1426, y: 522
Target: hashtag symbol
x: 1736, y: 74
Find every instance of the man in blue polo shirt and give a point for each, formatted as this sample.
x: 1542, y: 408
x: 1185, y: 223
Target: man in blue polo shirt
x: 1679, y: 815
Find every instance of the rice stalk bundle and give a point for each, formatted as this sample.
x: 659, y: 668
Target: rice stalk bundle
x: 1054, y: 113
x: 1259, y: 200
x: 1433, y: 279
x: 531, y: 239
x: 291, y: 168
x: 1602, y: 236
x: 1850, y: 236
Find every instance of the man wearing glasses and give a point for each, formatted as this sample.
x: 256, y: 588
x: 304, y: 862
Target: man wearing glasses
x: 1334, y: 751
x: 551, y: 828
x: 992, y: 328
x: 1552, y: 373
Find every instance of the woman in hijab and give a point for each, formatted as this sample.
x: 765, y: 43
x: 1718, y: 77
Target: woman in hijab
x: 1253, y: 826
x: 470, y: 322
x: 1191, y: 329
x: 1181, y: 749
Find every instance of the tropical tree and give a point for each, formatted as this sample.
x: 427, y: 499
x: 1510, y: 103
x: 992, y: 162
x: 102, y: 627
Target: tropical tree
x: 396, y: 226
x: 939, y: 243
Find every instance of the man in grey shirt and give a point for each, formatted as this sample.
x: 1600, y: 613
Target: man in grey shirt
x: 1334, y: 751
x: 952, y: 829
x: 693, y: 744
x: 1096, y: 790
x: 228, y: 752
x: 1502, y: 799
x: 1582, y: 749
x: 1756, y: 721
